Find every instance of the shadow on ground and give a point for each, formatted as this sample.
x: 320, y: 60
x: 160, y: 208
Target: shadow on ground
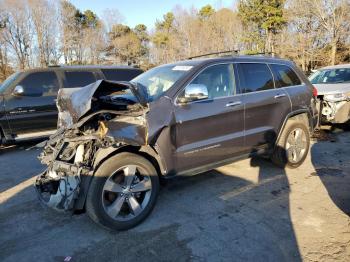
x: 215, y: 216
x: 332, y: 165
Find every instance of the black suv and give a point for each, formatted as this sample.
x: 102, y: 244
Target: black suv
x: 117, y: 141
x: 28, y: 99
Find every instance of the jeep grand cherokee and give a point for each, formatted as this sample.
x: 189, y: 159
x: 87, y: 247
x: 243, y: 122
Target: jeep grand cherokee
x: 116, y: 140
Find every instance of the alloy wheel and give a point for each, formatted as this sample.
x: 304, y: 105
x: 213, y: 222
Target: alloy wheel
x: 296, y: 145
x: 126, y: 193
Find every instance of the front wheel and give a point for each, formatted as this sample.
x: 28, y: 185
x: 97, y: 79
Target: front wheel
x: 293, y: 145
x: 123, y: 192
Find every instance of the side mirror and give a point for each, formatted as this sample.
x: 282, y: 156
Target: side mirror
x: 18, y: 91
x: 194, y: 92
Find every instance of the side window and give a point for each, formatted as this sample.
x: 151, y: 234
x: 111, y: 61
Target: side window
x: 254, y: 77
x: 219, y: 80
x: 285, y: 76
x: 40, y: 84
x: 120, y: 74
x: 78, y: 78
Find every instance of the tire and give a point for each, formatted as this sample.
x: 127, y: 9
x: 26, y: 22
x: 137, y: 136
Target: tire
x: 118, y: 183
x: 1, y: 138
x: 285, y: 153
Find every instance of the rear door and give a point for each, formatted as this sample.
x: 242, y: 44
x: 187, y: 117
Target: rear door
x: 77, y: 78
x: 265, y: 106
x: 120, y: 74
x: 35, y: 110
x: 211, y: 130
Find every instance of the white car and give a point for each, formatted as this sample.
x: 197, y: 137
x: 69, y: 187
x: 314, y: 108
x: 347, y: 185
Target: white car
x: 333, y: 90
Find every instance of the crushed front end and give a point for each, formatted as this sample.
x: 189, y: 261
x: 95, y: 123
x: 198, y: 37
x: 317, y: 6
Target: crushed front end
x: 103, y: 124
x: 335, y: 108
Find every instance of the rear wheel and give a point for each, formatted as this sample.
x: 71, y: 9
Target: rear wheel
x: 293, y: 145
x: 123, y: 191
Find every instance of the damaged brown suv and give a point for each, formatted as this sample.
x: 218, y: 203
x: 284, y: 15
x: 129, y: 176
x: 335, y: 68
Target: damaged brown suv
x: 118, y: 139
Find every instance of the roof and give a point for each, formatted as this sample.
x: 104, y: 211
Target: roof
x: 93, y: 67
x: 335, y: 66
x: 238, y: 58
x: 79, y: 67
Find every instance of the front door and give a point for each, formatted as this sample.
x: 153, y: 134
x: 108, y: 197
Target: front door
x: 210, y: 130
x: 35, y: 109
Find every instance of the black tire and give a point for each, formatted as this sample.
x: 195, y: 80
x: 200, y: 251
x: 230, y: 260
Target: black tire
x: 95, y: 202
x: 1, y: 138
x: 280, y: 157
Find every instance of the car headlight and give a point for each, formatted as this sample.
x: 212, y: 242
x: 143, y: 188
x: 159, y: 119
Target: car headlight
x: 336, y: 97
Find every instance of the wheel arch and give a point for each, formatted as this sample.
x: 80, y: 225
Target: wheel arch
x: 302, y: 115
x: 102, y: 155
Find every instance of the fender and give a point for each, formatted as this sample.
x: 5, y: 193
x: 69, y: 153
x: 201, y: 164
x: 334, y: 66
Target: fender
x: 293, y: 114
x: 103, y: 154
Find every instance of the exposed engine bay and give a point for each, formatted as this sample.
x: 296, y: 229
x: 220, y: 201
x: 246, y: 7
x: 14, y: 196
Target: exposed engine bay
x: 335, y: 108
x: 93, y: 121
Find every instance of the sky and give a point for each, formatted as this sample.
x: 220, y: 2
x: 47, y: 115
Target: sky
x: 144, y: 11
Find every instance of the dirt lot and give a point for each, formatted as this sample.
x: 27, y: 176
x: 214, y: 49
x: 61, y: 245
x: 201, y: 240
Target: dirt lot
x: 248, y: 210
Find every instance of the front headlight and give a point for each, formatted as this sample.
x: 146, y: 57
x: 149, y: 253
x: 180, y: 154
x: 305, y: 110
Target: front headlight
x: 336, y: 97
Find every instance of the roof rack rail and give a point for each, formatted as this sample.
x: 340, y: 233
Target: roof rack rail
x: 215, y: 53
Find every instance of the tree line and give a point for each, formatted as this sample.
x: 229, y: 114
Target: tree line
x: 39, y: 33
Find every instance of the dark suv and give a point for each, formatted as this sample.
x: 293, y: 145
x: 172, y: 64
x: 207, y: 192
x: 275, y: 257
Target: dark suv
x: 119, y: 139
x: 28, y: 99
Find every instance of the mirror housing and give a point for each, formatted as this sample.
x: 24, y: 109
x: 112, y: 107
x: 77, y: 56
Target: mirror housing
x: 18, y: 91
x: 194, y: 92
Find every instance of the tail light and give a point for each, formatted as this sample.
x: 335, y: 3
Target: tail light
x: 314, y: 91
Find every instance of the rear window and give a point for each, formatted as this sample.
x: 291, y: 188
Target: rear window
x: 79, y: 78
x: 120, y: 74
x: 254, y: 77
x: 285, y: 76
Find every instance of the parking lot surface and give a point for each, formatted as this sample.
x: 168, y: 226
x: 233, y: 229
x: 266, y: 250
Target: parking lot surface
x: 246, y: 211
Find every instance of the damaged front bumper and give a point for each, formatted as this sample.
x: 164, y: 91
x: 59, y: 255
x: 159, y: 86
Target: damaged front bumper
x: 94, y: 121
x: 60, y: 185
x: 335, y: 112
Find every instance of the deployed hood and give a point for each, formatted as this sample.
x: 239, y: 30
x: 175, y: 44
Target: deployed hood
x: 326, y: 89
x: 74, y: 103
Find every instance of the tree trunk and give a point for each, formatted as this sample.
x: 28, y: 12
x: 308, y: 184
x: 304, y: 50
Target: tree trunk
x: 334, y: 51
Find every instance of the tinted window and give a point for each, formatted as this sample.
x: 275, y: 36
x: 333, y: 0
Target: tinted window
x: 218, y: 79
x: 255, y: 77
x: 285, y: 76
x: 40, y: 84
x: 79, y: 79
x: 120, y: 74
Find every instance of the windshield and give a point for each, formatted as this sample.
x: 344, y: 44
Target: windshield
x: 331, y: 76
x: 160, y: 79
x: 8, y: 82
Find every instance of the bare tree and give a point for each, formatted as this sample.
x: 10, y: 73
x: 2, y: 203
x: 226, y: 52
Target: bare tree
x: 334, y: 18
x: 45, y: 30
x: 18, y: 30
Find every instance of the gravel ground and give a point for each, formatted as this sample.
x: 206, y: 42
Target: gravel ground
x: 246, y: 211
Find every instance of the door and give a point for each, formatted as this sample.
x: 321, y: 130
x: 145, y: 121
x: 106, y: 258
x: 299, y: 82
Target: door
x: 266, y: 107
x: 35, y: 109
x: 210, y: 130
x: 78, y: 78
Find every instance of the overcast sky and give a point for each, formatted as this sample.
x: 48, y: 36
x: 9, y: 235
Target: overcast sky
x: 144, y: 11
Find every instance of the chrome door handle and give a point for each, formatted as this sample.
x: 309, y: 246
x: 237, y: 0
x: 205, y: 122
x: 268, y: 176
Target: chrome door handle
x: 279, y: 96
x: 231, y: 104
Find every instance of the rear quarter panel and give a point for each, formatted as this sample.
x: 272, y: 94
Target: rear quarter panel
x: 302, y: 98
